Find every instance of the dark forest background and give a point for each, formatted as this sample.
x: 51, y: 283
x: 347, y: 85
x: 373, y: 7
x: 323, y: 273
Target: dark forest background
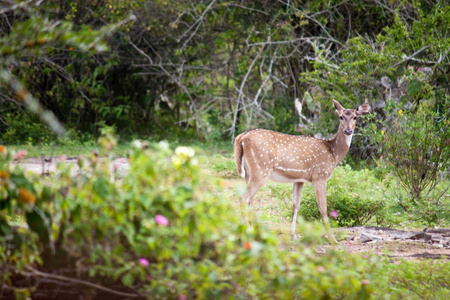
x: 210, y: 69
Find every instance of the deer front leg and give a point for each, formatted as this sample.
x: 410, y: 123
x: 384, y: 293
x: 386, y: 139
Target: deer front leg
x: 320, y: 187
x: 321, y: 196
x: 296, y: 199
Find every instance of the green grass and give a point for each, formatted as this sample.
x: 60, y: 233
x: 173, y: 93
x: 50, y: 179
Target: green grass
x: 72, y: 150
x: 218, y: 151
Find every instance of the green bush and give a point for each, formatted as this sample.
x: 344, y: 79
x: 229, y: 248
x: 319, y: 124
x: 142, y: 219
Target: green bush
x: 162, y: 231
x: 23, y: 128
x: 415, y: 147
x: 356, y: 196
x: 414, y: 141
x: 414, y: 280
x: 19, y: 128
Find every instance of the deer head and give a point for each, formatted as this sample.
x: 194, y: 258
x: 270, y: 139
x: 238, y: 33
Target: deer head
x: 348, y: 117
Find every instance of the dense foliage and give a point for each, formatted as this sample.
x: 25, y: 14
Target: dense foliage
x: 214, y: 68
x: 164, y: 230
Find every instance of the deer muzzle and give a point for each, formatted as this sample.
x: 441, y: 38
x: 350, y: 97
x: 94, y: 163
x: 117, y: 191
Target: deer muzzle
x: 348, y: 131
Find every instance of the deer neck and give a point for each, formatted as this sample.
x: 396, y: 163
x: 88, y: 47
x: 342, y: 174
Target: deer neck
x: 340, y: 145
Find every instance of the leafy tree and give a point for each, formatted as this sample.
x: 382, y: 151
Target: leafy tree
x: 208, y: 68
x: 28, y: 46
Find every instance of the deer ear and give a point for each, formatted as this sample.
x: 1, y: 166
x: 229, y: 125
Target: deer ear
x: 363, y: 109
x: 337, y: 106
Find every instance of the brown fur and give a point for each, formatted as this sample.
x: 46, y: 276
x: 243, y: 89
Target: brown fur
x: 238, y: 153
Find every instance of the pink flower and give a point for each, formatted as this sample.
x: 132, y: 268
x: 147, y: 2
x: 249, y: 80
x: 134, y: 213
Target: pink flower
x: 182, y: 297
x: 161, y: 220
x: 20, y: 154
x: 117, y: 165
x: 334, y: 214
x: 144, y: 262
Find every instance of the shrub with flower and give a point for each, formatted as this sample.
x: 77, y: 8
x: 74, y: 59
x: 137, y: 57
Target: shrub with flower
x: 161, y: 220
x: 334, y: 214
x: 163, y: 231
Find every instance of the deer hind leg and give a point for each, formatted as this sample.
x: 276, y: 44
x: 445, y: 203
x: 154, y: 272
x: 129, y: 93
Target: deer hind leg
x: 247, y: 198
x: 320, y: 188
x: 296, y: 199
x: 255, y: 177
x: 252, y: 188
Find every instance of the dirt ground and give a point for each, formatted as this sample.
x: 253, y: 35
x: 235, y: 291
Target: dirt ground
x: 48, y: 165
x: 430, y: 243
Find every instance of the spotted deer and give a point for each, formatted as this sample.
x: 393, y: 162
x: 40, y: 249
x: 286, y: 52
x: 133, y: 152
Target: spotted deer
x: 262, y: 154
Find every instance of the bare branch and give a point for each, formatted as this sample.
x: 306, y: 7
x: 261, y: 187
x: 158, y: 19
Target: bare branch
x: 35, y: 273
x: 140, y: 51
x: 299, y: 107
x: 14, y: 6
x: 264, y: 83
x: 411, y: 56
x: 240, y: 91
x: 178, y: 81
x: 196, y: 24
x: 293, y: 41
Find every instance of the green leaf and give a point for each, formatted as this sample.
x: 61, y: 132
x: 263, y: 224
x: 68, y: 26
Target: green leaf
x: 128, y: 279
x: 413, y: 87
x: 309, y: 101
x: 4, y: 227
x: 46, y: 194
x: 39, y: 223
x: 76, y: 214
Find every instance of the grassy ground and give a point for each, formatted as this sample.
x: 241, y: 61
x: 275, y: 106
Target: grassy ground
x: 273, y: 204
x: 69, y: 150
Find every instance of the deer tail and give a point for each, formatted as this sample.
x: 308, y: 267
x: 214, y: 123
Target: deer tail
x: 239, y: 155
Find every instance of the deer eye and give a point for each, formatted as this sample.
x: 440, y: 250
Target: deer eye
x: 341, y: 117
x: 355, y: 118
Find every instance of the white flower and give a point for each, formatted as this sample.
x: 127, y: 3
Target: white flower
x: 136, y: 144
x: 163, y: 145
x: 194, y: 162
x: 185, y: 151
